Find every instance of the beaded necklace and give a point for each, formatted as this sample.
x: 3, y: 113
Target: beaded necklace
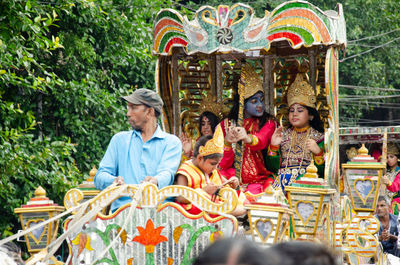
x: 295, y: 173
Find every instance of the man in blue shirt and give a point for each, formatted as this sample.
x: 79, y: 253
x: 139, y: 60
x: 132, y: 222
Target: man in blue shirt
x: 145, y: 154
x: 388, y: 231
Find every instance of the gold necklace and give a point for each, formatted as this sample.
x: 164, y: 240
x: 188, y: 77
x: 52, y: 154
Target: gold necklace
x: 292, y: 143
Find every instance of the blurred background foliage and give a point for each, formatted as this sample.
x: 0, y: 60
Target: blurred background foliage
x: 63, y: 68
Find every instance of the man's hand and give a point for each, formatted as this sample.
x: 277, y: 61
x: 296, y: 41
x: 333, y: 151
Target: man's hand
x: 151, y: 180
x: 385, y: 235
x: 119, y: 181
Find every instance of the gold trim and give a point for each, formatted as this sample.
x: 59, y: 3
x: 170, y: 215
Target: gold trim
x: 152, y: 196
x: 309, y: 190
x: 268, y: 208
x: 37, y: 221
x: 369, y: 193
x: 39, y: 209
x: 364, y: 166
x: 301, y: 217
x: 264, y: 220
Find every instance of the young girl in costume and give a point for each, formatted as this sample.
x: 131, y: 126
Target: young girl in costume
x: 254, y: 134
x: 292, y: 149
x: 392, y: 178
x: 211, y: 114
x: 201, y: 172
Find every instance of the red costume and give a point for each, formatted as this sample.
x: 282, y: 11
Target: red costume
x: 255, y: 177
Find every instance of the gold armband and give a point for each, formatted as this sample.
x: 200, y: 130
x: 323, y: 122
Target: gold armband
x: 272, y: 152
x: 319, y: 160
x: 254, y: 140
x: 274, y: 148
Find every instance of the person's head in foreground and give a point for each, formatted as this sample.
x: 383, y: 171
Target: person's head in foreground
x: 303, y: 253
x: 235, y: 251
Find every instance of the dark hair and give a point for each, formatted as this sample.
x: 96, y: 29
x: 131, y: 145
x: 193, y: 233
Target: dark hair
x: 383, y: 198
x: 211, y: 117
x: 234, y: 112
x: 235, y: 251
x: 202, y: 142
x: 303, y: 253
x: 316, y: 122
x: 13, y: 251
x: 156, y: 113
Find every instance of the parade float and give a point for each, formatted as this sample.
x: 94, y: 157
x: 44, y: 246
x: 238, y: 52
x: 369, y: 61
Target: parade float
x: 196, y: 61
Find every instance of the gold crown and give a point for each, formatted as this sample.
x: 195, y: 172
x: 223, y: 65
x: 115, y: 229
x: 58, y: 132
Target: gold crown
x: 250, y: 82
x: 351, y: 152
x: 392, y: 149
x: 301, y: 92
x: 209, y: 103
x: 214, y: 145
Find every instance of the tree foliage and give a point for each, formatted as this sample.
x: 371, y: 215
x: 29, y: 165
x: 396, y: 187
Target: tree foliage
x: 63, y: 68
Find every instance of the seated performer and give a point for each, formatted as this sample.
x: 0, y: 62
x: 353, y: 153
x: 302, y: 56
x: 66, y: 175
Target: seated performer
x: 392, y: 178
x: 388, y: 229
x: 201, y: 172
x: 211, y: 114
x: 255, y: 134
x: 292, y: 149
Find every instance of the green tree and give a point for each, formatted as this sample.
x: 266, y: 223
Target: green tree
x: 63, y: 68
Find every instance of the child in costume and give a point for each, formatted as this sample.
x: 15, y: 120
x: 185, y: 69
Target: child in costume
x: 201, y: 172
x: 392, y: 178
x: 246, y: 160
x: 293, y: 149
x: 211, y: 115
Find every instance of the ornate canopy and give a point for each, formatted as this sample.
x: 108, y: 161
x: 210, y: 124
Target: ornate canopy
x: 235, y: 28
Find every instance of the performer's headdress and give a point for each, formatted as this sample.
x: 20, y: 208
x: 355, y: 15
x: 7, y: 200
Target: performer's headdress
x: 250, y: 82
x: 301, y: 92
x: 351, y: 152
x: 392, y: 149
x: 209, y: 103
x: 214, y: 145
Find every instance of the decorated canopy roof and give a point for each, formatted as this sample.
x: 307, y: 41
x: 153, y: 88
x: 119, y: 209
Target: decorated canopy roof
x: 355, y: 135
x: 235, y: 28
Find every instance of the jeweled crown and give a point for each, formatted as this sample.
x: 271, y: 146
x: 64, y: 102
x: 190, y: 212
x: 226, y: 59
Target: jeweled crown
x: 209, y: 103
x: 214, y: 145
x: 301, y: 92
x: 392, y: 149
x: 250, y: 82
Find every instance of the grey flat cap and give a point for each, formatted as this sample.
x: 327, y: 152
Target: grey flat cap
x: 147, y: 97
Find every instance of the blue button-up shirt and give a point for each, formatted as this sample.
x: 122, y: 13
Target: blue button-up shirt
x: 128, y: 156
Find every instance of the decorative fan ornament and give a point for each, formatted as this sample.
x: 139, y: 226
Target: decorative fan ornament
x: 224, y: 36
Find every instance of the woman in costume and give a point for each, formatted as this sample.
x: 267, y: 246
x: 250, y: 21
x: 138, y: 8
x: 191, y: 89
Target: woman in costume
x: 211, y: 114
x: 392, y: 178
x: 250, y: 128
x: 293, y: 149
